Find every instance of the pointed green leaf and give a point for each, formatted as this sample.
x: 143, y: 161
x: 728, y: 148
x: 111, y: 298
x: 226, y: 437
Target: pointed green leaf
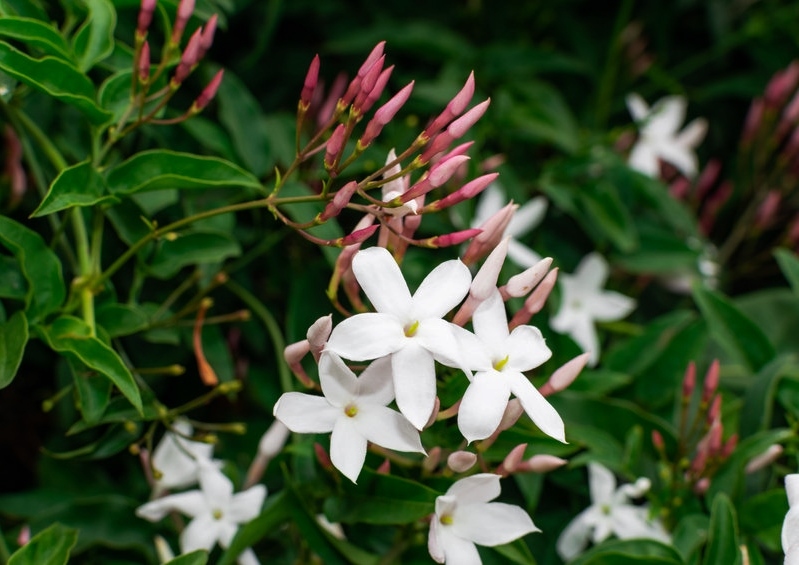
x: 78, y: 185
x: 72, y: 337
x: 630, y: 552
x: 48, y: 547
x: 13, y: 338
x: 741, y: 338
x: 37, y: 34
x: 94, y: 40
x: 190, y: 249
x: 12, y: 282
x: 55, y: 77
x: 603, y: 206
x: 160, y: 169
x: 40, y: 266
x: 789, y: 263
x: 199, y: 557
x: 723, y: 542
x: 94, y: 391
x: 761, y: 394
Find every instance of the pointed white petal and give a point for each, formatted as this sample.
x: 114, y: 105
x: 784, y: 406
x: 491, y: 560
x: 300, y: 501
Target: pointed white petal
x: 438, y: 337
x: 490, y: 323
x: 347, y: 448
x: 602, y: 484
x: 790, y: 529
x: 306, y: 414
x: 226, y: 532
x: 339, y: 383
x: 414, y: 383
x: 637, y: 107
x: 434, y: 541
x: 381, y: 280
x: 630, y: 522
x: 610, y: 306
x: 457, y: 551
x: 592, y: 272
x: 683, y: 158
x: 482, y: 487
x: 527, y: 217
x: 247, y: 557
x: 246, y: 505
x: 584, y: 334
x: 376, y: 382
x: 366, y: 336
x: 491, y: 524
x: 189, y: 503
x: 216, y: 487
x: 491, y: 201
x: 441, y: 290
x: 666, y: 117
x: 176, y: 458
x: 522, y: 255
x: 644, y: 159
x: 473, y: 352
x: 693, y: 134
x: 200, y: 533
x: 792, y: 490
x: 537, y: 407
x: 483, y: 405
x: 387, y: 428
x: 575, y: 537
x: 526, y: 349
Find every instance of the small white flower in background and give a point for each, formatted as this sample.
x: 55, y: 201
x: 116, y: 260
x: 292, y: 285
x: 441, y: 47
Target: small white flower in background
x: 584, y: 301
x: 790, y: 527
x: 659, y: 137
x: 611, y: 513
x: 499, y: 358
x: 409, y: 329
x: 465, y: 517
x: 525, y: 219
x: 353, y: 409
x: 397, y: 187
x: 215, y: 511
x: 176, y: 459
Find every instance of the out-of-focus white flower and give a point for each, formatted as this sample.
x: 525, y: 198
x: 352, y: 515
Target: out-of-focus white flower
x: 465, y: 517
x: 408, y: 329
x: 215, y: 511
x: 660, y: 138
x: 790, y: 527
x: 176, y: 459
x: 610, y: 513
x: 584, y: 301
x: 525, y: 219
x: 353, y: 409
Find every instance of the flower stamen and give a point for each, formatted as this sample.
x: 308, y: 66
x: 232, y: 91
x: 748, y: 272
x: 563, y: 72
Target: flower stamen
x: 501, y: 363
x: 410, y: 331
x: 351, y: 410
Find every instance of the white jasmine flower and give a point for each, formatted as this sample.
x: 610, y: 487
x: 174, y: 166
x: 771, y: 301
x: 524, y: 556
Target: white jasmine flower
x: 215, y: 511
x: 610, y: 513
x: 396, y: 188
x: 353, y: 409
x: 525, y: 219
x: 583, y: 301
x: 176, y: 459
x: 465, y: 517
x: 790, y: 527
x: 659, y: 137
x: 499, y: 358
x: 409, y: 329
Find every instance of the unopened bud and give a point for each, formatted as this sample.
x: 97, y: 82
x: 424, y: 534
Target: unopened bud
x: 432, y: 460
x: 459, y: 127
x: 782, y: 84
x: 273, y: 440
x: 768, y: 209
x: 484, y: 283
x: 207, y: 36
x: 513, y: 412
x: 189, y: 58
x: 318, y: 333
x: 455, y: 107
x: 311, y: 80
x: 384, y: 115
x: 322, y: 456
x: 754, y: 118
x: 375, y: 92
x: 521, y: 284
x: 449, y: 239
x: 542, y: 463
x: 434, y: 414
x: 334, y: 147
x: 145, y: 16
x: 24, y: 535
x: 729, y: 446
x: 461, y: 461
x: 293, y: 354
x: 493, y: 232
x: 340, y: 200
x: 384, y: 468
x: 144, y: 63
x: 564, y: 376
x: 512, y: 459
x: 711, y: 381
x: 763, y: 460
x: 657, y: 441
x: 689, y: 382
x: 466, y: 192
x: 439, y: 173
x: 209, y: 92
x: 357, y: 236
x: 368, y: 82
x: 185, y: 10
x: 535, y: 301
x: 355, y: 84
x: 702, y: 485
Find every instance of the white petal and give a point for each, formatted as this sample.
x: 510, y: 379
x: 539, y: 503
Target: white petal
x: 201, y: 533
x: 246, y: 505
x: 366, y: 336
x: 602, y: 483
x: 434, y: 541
x: 693, y: 134
x: 175, y: 458
x: 387, y: 428
x: 637, y: 107
x: 473, y: 352
x: 610, y: 306
x: 575, y: 537
x: 790, y: 529
x: 216, y: 487
x: 438, y: 337
x: 644, y: 159
x: 339, y: 383
x: 629, y: 522
x: 457, y: 551
x: 189, y: 503
x: 683, y: 158
x: 382, y: 281
x: 414, y: 383
x: 584, y: 334
x: 666, y: 117
x: 347, y: 448
x: 483, y: 405
x: 526, y: 349
x: 305, y: 413
x: 247, y: 557
x: 527, y: 217
x: 592, y: 272
x: 792, y: 555
x: 482, y: 487
x: 792, y: 489
x: 536, y: 406
x: 376, y: 382
x: 226, y: 532
x: 491, y: 323
x: 522, y: 255
x: 441, y: 290
x: 491, y: 201
x: 491, y: 524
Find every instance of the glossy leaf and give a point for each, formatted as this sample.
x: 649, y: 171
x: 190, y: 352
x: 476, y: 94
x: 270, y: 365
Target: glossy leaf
x: 192, y: 248
x: 93, y: 389
x: 737, y: 334
x: 72, y: 337
x: 760, y: 396
x: 762, y: 515
x: 49, y: 547
x: 199, y: 557
x: 78, y: 185
x: 723, y: 542
x: 94, y: 40
x: 12, y: 283
x: 37, y: 34
x: 789, y: 264
x: 40, y: 266
x: 603, y: 206
x: 55, y: 77
x: 13, y: 338
x: 121, y: 319
x: 690, y: 535
x: 630, y: 552
x: 160, y: 168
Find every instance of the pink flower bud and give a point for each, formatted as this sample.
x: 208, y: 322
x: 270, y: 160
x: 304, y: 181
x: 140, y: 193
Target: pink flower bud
x: 729, y: 446
x: 461, y: 461
x: 513, y: 412
x: 376, y: 91
x: 355, y: 85
x: 434, y: 414
x: 679, y: 188
x: 782, y: 84
x: 657, y: 441
x: 763, y: 460
x: 24, y: 536
x: 512, y: 459
x: 189, y: 58
x: 340, y: 200
x: 449, y: 239
x: 459, y: 127
x: 493, y: 231
x: 713, y: 205
x: 466, y: 192
x: 790, y: 116
x: 768, y: 209
x: 368, y: 82
x: 145, y: 16
x: 384, y: 468
x: 293, y: 354
x: 273, y: 440
x: 535, y: 302
x: 714, y: 438
x: 754, y: 118
x: 484, y: 282
x: 519, y: 285
x: 335, y: 146
x: 311, y: 80
x: 714, y: 413
x: 702, y: 485
x: 707, y: 178
x: 439, y: 173
x: 689, y: 382
x: 185, y: 10
x: 144, y: 63
x: 564, y: 376
x: 541, y: 463
x: 454, y: 108
x: 384, y: 115
x: 322, y: 457
x: 207, y: 36
x: 432, y: 460
x: 711, y: 381
x: 209, y: 92
x: 358, y: 236
x: 318, y: 333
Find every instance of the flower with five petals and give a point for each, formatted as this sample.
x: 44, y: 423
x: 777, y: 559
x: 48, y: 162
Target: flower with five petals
x: 176, y: 459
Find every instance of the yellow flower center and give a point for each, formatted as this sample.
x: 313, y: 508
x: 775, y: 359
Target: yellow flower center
x: 446, y: 519
x: 217, y: 514
x: 351, y: 410
x: 501, y: 363
x: 410, y: 331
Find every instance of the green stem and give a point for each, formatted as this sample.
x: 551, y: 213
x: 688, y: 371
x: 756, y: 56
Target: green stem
x: 85, y: 266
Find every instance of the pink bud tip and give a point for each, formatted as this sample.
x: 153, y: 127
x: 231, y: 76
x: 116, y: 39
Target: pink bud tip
x: 564, y: 376
x: 711, y: 381
x: 454, y: 238
x: 358, y: 236
x: 542, y: 463
x: 657, y: 440
x: 209, y: 92
x: 322, y: 456
x: 318, y: 333
x: 145, y: 15
x: 376, y: 91
x: 460, y: 126
x: 207, y: 37
x: 144, y: 62
x: 185, y: 10
x: 521, y: 284
x: 466, y: 192
x: 340, y: 200
x: 689, y: 381
x: 189, y: 58
x: 384, y: 468
x: 512, y: 459
x: 454, y: 108
x: 311, y: 80
x: 433, y: 459
x: 763, y: 460
x: 374, y: 55
x: 513, y: 412
x: 387, y: 111
x: 493, y: 231
x: 335, y: 146
x: 461, y: 461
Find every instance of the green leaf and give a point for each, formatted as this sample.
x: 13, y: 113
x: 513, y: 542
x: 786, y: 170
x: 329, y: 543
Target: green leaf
x: 35, y: 33
x: 759, y: 398
x: 199, y: 557
x: 94, y: 391
x: 78, y: 185
x: 192, y: 248
x: 789, y: 263
x: 763, y: 514
x: 604, y: 207
x: 159, y: 169
x: 690, y: 535
x: 738, y: 335
x: 12, y: 283
x: 13, y: 338
x: 55, y: 77
x: 631, y: 552
x: 723, y: 542
x: 121, y: 319
x: 94, y: 40
x: 115, y: 438
x: 40, y: 266
x: 72, y: 337
x: 48, y: 547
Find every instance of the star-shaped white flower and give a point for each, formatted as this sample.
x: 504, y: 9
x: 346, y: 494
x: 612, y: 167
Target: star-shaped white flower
x: 499, y: 359
x: 353, y: 409
x: 409, y: 329
x: 790, y: 527
x: 611, y: 513
x: 659, y: 137
x: 215, y: 511
x: 465, y: 517
x: 397, y: 187
x: 583, y: 301
x: 176, y: 459
x: 526, y: 218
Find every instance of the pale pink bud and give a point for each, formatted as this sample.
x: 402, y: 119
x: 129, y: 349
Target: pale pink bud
x: 711, y: 381
x: 209, y: 92
x: 376, y: 91
x: 145, y: 16
x: 355, y: 85
x: 754, y: 118
x: 763, y: 460
x: 484, y: 282
x: 461, y: 461
x: 460, y: 126
x: 512, y: 460
x: 768, y: 209
x: 466, y: 192
x: 449, y: 239
x: 679, y: 188
x: 24, y: 535
x: 699, y: 461
x: 493, y: 231
x: 535, y: 301
x: 513, y: 412
x: 781, y: 85
x: 790, y: 116
x: 335, y: 145
x: 542, y: 463
x: 432, y: 460
x: 322, y: 456
x: 714, y: 412
x: 384, y: 468
x: 207, y: 36
x: 564, y: 376
x: 385, y: 114
x: 729, y: 446
x: 714, y: 438
x: 519, y: 285
x: 434, y: 414
x: 293, y: 354
x: 657, y: 441
x: 689, y: 382
x: 189, y: 58
x: 273, y: 440
x: 358, y: 236
x: 185, y: 10
x: 311, y: 80
x: 454, y: 108
x: 368, y: 82
x: 439, y: 173
x: 144, y: 62
x: 702, y: 485
x: 318, y: 333
x: 330, y: 103
x: 340, y: 200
